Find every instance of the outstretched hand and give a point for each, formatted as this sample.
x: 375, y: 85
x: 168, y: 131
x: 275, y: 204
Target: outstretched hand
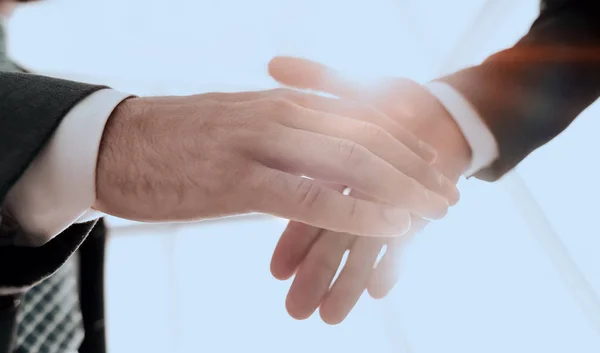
x: 314, y: 255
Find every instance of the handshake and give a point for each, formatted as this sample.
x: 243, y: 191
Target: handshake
x: 292, y: 155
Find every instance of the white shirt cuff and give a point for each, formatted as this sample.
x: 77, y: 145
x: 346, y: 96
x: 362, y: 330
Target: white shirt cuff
x: 59, y: 187
x: 484, y: 148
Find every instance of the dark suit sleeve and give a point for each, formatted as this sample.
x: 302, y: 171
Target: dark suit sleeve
x: 531, y: 92
x: 31, y: 108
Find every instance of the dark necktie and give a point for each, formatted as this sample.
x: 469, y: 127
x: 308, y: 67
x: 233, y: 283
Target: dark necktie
x: 49, y: 320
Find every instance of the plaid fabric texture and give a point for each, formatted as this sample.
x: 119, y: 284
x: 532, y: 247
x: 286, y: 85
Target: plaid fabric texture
x: 50, y: 318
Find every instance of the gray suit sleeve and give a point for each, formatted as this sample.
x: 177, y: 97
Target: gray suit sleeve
x: 31, y: 108
x: 531, y: 92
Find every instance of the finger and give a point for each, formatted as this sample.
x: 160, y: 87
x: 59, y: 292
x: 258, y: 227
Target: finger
x: 291, y: 249
x: 315, y: 274
x: 307, y: 74
x: 352, y: 281
x: 364, y: 113
x: 294, y: 244
x: 377, y: 140
x: 345, y: 162
x: 307, y: 201
x: 386, y: 274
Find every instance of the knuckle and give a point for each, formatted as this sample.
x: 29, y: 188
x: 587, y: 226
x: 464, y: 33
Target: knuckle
x: 353, y: 211
x: 254, y: 133
x: 300, y: 98
x: 372, y: 131
x: 279, y: 106
x: 279, y: 92
x: 290, y: 95
x: 351, y: 152
x: 309, y: 193
x: 252, y: 181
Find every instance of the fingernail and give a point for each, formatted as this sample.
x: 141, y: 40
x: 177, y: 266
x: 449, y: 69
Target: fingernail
x: 428, y: 153
x: 452, y: 190
x: 399, y: 219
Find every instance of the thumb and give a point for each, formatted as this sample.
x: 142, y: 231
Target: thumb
x: 302, y: 73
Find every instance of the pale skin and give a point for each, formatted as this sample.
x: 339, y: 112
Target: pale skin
x: 220, y: 154
x: 7, y: 8
x: 313, y: 255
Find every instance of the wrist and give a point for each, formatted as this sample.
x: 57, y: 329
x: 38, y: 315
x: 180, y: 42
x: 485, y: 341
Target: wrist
x: 433, y: 124
x: 114, y: 155
x: 440, y: 130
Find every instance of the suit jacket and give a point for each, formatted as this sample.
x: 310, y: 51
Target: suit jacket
x: 31, y: 108
x: 526, y: 94
x: 531, y: 92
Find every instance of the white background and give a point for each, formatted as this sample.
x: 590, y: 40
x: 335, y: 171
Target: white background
x: 474, y: 282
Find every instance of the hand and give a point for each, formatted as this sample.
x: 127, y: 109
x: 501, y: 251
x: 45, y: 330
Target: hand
x: 219, y: 154
x: 314, y: 255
